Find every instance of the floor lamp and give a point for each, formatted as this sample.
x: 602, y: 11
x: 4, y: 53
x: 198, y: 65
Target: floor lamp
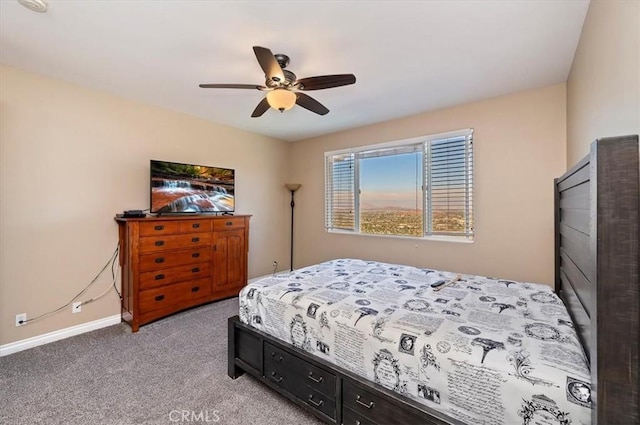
x: 292, y: 188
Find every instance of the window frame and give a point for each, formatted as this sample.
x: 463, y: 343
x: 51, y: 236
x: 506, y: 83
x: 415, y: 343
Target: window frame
x: 425, y: 142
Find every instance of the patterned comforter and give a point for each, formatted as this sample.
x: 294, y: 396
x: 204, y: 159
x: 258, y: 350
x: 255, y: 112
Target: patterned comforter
x: 482, y: 350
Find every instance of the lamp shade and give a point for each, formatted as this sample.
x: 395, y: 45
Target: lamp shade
x: 281, y: 99
x: 293, y: 186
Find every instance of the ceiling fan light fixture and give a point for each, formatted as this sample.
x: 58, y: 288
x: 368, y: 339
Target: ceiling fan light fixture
x: 281, y: 99
x: 39, y: 6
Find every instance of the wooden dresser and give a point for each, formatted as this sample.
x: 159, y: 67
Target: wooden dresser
x: 176, y: 262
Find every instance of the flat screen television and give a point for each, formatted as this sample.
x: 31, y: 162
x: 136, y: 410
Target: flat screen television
x: 187, y: 188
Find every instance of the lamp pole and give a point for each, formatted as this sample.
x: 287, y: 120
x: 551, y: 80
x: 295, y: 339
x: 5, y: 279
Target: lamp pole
x: 292, y: 188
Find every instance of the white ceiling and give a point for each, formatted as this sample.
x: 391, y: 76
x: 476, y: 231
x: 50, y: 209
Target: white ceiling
x: 408, y: 56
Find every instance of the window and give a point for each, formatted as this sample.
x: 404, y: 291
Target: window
x: 418, y: 187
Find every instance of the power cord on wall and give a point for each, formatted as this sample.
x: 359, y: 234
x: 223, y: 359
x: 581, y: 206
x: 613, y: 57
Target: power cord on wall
x: 112, y: 261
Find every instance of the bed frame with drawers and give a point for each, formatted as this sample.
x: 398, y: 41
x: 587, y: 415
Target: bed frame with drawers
x: 597, y: 209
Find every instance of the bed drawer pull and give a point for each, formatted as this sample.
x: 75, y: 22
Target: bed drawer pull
x: 229, y: 223
x: 196, y: 225
x: 316, y: 380
x: 195, y: 255
x: 273, y: 354
x: 368, y: 406
x: 159, y: 228
x: 160, y: 298
x: 278, y: 380
x: 159, y: 276
x: 195, y: 289
x: 195, y: 270
x: 159, y: 260
x: 195, y: 239
x: 159, y: 243
x: 315, y: 403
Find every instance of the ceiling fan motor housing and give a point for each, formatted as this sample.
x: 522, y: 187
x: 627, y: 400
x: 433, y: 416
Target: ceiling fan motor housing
x: 283, y: 60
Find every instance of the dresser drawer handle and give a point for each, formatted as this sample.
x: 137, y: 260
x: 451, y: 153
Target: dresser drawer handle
x: 160, y: 298
x: 278, y: 360
x: 195, y: 255
x: 195, y: 239
x: 159, y: 243
x: 315, y: 403
x: 159, y: 260
x: 316, y: 380
x: 159, y: 228
x: 368, y: 406
x: 195, y: 289
x: 229, y: 223
x: 358, y: 422
x: 278, y: 380
x: 159, y: 276
x: 195, y: 225
x: 195, y: 270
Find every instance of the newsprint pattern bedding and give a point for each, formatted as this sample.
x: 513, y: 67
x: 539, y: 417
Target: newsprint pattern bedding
x: 482, y: 350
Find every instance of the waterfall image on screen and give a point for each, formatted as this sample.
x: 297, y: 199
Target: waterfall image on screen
x: 186, y: 188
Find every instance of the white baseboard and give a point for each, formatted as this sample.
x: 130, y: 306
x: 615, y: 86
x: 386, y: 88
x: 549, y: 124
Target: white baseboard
x: 14, y: 347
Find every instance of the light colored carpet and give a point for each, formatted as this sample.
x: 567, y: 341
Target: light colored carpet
x: 171, y: 371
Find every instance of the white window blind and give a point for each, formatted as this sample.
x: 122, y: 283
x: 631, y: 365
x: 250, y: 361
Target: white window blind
x: 340, y: 191
x: 449, y: 186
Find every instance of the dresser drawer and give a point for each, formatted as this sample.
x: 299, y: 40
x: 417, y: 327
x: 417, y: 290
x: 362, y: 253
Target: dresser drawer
x: 167, y: 296
x: 166, y: 276
x: 162, y: 243
x: 190, y: 226
x: 163, y: 260
x: 306, y: 375
x: 157, y: 228
x: 371, y: 406
x: 230, y: 223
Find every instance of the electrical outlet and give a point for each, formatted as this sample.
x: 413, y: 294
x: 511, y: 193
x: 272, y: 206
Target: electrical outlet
x: 21, y: 319
x: 76, y: 307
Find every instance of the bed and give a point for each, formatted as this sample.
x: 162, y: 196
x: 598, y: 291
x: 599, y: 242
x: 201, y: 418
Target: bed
x: 359, y: 342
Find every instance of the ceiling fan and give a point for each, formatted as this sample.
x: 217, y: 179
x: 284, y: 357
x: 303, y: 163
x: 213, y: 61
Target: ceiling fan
x: 283, y: 87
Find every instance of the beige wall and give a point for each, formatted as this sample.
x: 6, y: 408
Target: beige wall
x: 519, y: 147
x: 70, y: 158
x: 603, y: 89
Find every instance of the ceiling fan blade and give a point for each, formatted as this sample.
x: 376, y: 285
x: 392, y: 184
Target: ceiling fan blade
x: 231, y: 86
x: 326, y: 81
x: 268, y: 63
x: 307, y: 102
x: 262, y: 107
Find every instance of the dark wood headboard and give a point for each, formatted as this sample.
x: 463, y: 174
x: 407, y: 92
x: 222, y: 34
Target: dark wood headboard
x: 597, y: 213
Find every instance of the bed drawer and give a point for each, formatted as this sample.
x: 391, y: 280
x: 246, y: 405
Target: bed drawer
x: 162, y: 243
x: 305, y: 373
x: 364, y: 403
x: 349, y: 417
x: 179, y: 293
x: 190, y: 272
x: 163, y: 260
x: 285, y: 371
x: 321, y: 402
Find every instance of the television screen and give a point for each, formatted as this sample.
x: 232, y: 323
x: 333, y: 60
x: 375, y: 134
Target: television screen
x: 188, y: 188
